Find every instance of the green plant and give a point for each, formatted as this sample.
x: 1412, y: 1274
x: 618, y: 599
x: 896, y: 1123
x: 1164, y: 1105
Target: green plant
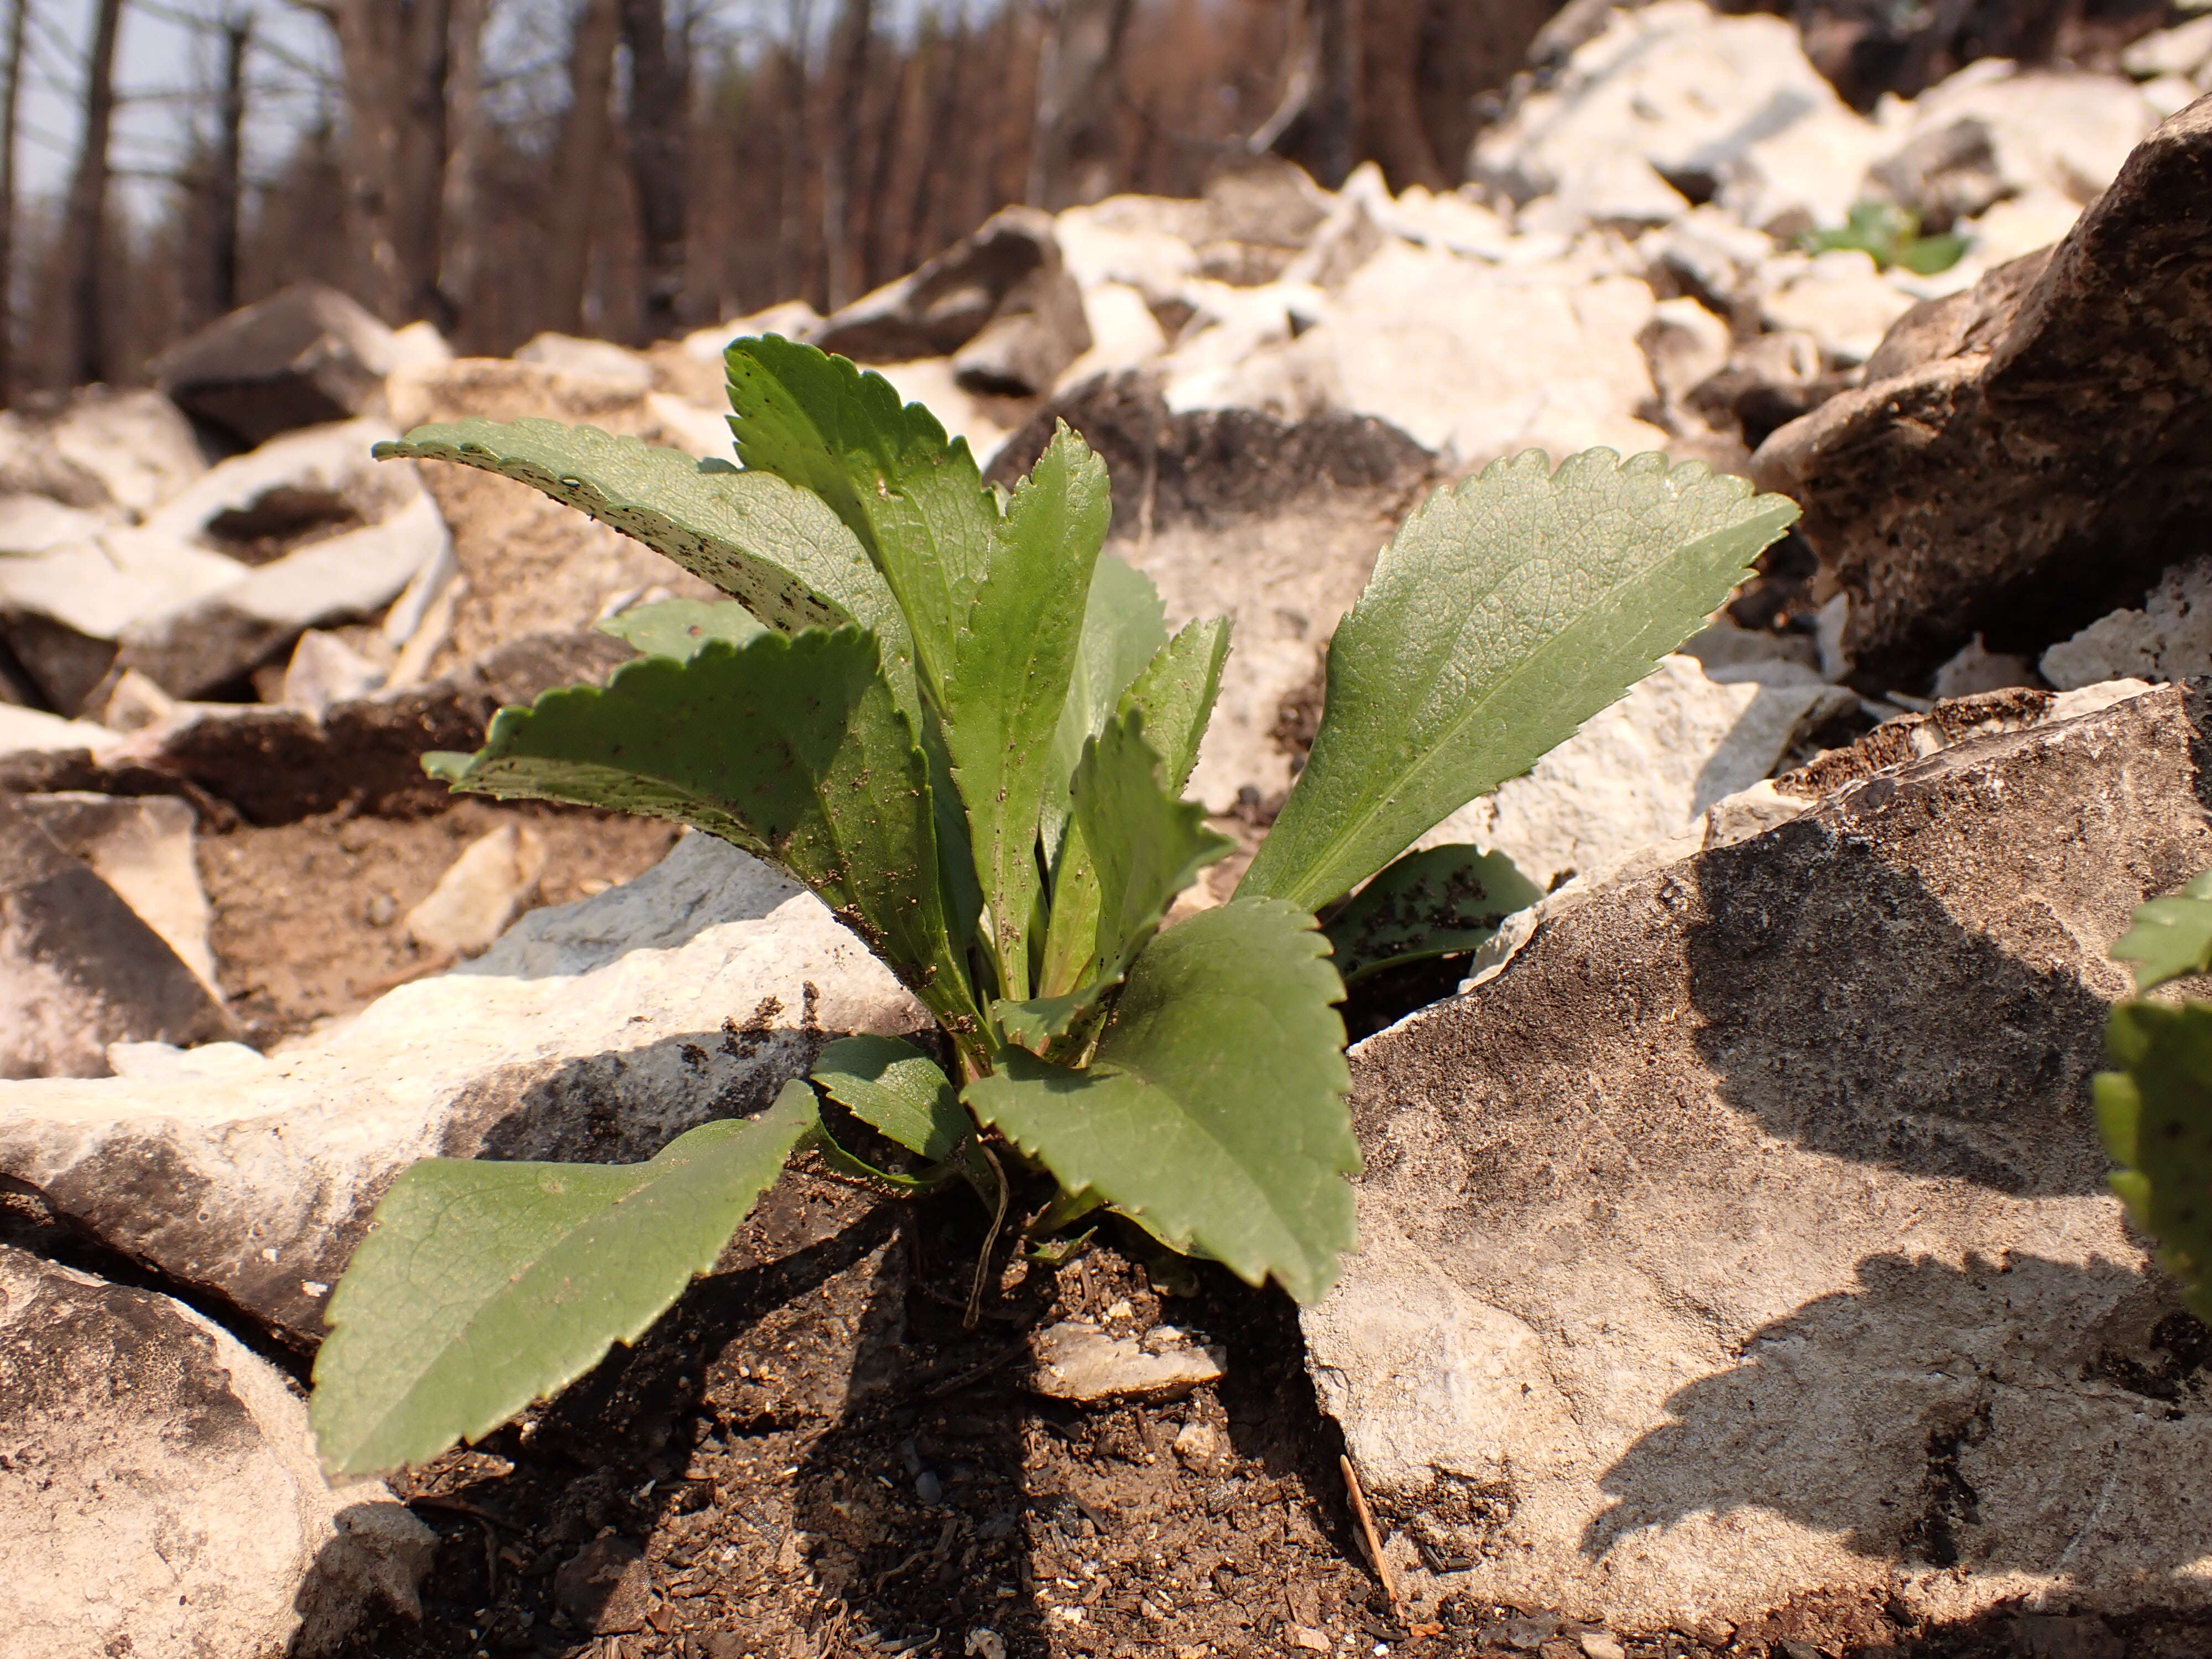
x: 2156, y: 1110
x: 904, y: 708
x: 1891, y: 234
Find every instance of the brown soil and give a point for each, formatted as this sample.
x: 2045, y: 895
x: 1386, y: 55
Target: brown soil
x: 810, y: 1456
x: 308, y: 916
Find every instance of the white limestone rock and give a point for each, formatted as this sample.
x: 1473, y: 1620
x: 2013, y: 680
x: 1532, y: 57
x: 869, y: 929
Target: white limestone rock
x: 2170, y: 638
x: 1745, y: 1237
x: 1469, y: 359
x: 1647, y: 769
x: 141, y: 846
x: 597, y: 1030
x: 1838, y: 298
x: 161, y: 1487
x: 1730, y: 101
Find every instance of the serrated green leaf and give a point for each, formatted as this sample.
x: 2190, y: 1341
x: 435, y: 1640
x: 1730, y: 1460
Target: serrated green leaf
x: 1143, y: 846
x: 1011, y: 665
x: 2156, y: 1117
x: 1174, y: 694
x: 789, y: 746
x: 1176, y: 691
x: 677, y: 628
x: 913, y: 496
x: 776, y: 548
x: 1507, y: 611
x: 2172, y: 936
x: 1429, y: 903
x: 484, y: 1285
x: 1124, y: 625
x: 1213, y: 1107
x: 895, y: 1088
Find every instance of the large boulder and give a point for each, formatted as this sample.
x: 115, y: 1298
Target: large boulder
x: 1275, y: 525
x: 114, y: 454
x: 305, y: 530
x: 1001, y: 292
x: 79, y: 968
x: 597, y: 1031
x: 2034, y: 452
x: 1744, y: 1241
x: 1694, y: 106
x: 1474, y: 360
x: 304, y: 357
x: 162, y: 1485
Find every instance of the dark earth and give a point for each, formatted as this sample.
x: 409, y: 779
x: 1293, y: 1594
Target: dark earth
x: 809, y: 1456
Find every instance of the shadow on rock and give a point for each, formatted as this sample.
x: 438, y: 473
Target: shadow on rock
x: 623, y: 1105
x: 2017, y: 1415
x: 1848, y: 1010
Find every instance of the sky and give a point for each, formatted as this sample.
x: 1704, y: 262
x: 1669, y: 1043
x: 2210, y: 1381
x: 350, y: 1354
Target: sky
x: 161, y: 63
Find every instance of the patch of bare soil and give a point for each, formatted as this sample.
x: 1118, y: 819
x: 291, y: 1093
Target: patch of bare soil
x: 308, y: 917
x: 811, y: 1458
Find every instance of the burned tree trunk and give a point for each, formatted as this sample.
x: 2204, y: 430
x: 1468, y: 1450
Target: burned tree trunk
x: 84, y: 228
x: 660, y: 107
x: 1079, y: 79
x: 19, y: 20
x: 591, y: 78
x: 225, y: 180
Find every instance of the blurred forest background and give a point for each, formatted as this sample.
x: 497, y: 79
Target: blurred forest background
x: 629, y: 168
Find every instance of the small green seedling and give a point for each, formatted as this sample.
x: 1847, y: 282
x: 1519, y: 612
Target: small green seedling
x: 2156, y: 1110
x: 965, y: 727
x: 1891, y: 234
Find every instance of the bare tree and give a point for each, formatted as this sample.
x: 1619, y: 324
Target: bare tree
x: 225, y: 180
x: 19, y: 19
x: 84, y: 229
x: 1078, y: 82
x: 394, y: 55
x: 584, y: 140
x: 844, y: 97
x: 461, y: 262
x: 660, y: 108
x: 1339, y: 109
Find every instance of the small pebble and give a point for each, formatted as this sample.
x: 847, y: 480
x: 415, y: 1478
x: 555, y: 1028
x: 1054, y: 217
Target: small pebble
x: 928, y: 1488
x: 1599, y: 1644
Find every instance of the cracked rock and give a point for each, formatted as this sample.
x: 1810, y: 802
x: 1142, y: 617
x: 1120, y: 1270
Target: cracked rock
x: 2030, y: 454
x: 1747, y: 1237
x: 167, y: 1486
x: 79, y: 968
x: 594, y: 1031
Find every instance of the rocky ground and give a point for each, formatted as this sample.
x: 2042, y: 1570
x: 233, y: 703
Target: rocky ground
x: 1736, y: 1275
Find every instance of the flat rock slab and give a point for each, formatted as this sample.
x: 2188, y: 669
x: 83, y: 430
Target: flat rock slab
x: 2028, y: 454
x: 158, y: 1490
x: 595, y: 1031
x: 1747, y: 1236
x: 79, y: 968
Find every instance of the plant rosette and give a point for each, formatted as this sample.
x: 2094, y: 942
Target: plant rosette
x: 946, y: 710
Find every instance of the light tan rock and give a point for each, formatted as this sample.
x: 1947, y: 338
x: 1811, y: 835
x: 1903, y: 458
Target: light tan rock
x: 1747, y: 1236
x: 159, y: 1485
x: 597, y: 1030
x: 1646, y: 768
x: 1079, y: 1362
x: 141, y: 846
x: 480, y: 892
